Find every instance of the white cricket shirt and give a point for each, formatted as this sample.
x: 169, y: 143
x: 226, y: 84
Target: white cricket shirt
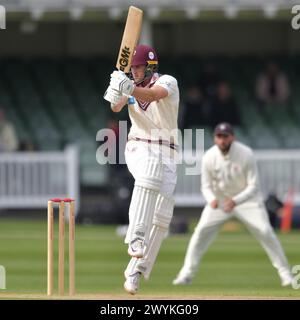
x: 232, y: 175
x: 157, y: 120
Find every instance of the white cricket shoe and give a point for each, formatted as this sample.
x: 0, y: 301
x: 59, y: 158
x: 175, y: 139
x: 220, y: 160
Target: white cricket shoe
x: 182, y: 281
x: 136, y: 248
x: 131, y: 285
x: 286, y: 278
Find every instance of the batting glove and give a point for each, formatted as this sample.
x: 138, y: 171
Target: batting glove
x: 113, y: 96
x: 120, y: 82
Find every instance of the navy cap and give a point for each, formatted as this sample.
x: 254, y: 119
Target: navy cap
x: 224, y: 128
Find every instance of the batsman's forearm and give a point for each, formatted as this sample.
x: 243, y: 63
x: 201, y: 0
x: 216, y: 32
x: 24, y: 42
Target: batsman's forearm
x: 120, y: 105
x: 145, y: 94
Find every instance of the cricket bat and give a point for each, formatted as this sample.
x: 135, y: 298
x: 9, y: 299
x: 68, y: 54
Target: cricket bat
x: 130, y: 38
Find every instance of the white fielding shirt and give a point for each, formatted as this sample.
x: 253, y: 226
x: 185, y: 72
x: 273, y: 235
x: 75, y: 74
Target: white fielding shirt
x: 157, y: 120
x: 233, y: 175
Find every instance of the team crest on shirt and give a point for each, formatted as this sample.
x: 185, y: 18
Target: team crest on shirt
x: 236, y: 169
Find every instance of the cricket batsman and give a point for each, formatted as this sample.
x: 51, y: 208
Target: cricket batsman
x: 151, y: 153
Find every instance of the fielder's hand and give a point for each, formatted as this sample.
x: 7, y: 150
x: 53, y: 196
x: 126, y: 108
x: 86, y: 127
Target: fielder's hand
x: 214, y: 204
x: 229, y: 204
x: 113, y: 96
x: 120, y: 82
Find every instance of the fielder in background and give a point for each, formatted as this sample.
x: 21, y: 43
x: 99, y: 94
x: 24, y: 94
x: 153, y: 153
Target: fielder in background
x: 231, y: 188
x: 150, y: 154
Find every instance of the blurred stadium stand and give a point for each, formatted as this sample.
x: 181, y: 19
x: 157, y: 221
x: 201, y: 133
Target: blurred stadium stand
x: 55, y: 102
x: 169, y: 4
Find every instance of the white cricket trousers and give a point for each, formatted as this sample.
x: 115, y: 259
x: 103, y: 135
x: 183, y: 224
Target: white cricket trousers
x: 136, y: 155
x: 255, y: 218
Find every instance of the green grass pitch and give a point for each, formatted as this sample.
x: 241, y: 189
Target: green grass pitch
x: 235, y: 264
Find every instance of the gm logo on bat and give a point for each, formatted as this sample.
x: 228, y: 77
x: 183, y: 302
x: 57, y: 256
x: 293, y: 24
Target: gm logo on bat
x: 124, y: 58
x: 2, y: 17
x: 296, y: 19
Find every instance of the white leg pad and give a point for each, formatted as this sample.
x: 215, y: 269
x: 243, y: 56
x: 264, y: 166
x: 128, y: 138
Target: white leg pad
x: 161, y: 221
x: 131, y: 267
x: 143, y: 201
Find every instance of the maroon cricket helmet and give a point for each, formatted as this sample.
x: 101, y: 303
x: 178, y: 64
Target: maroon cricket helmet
x: 144, y: 55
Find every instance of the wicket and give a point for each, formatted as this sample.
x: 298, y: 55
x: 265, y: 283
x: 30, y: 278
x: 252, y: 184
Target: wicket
x: 61, y: 246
